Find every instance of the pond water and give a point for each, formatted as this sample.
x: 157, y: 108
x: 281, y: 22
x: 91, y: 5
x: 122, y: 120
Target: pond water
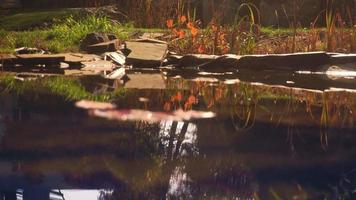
x: 264, y: 142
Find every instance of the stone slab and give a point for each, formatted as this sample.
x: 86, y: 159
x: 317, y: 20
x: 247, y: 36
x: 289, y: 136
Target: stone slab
x: 298, y: 61
x: 38, y: 59
x: 79, y: 57
x: 103, y: 47
x: 146, y: 54
x: 343, y: 58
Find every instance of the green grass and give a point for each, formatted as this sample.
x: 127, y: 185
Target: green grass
x: 273, y: 32
x: 64, y: 36
x: 65, y: 31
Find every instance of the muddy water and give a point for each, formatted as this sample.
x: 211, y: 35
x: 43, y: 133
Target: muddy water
x: 264, y: 143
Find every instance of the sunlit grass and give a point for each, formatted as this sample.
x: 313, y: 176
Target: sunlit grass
x: 65, y: 35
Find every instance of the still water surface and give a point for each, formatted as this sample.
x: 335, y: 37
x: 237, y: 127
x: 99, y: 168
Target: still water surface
x: 263, y: 143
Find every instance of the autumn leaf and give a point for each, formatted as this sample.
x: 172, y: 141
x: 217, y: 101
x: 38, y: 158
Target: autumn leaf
x: 179, y: 96
x: 170, y: 23
x: 226, y: 50
x: 194, y: 31
x: 183, y: 19
x: 190, y: 25
x: 201, y: 49
x: 191, y: 100
x: 181, y: 34
x: 214, y: 28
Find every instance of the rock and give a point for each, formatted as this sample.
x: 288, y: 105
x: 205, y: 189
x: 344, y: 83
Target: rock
x: 39, y: 59
x: 193, y: 60
x: 226, y: 63
x: 152, y: 35
x: 146, y: 54
x: 343, y: 58
x: 103, y: 47
x: 290, y: 62
x: 27, y: 50
x: 100, y: 43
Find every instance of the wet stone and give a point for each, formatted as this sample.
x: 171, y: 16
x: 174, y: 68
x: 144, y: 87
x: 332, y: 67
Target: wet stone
x: 193, y: 60
x: 291, y: 62
x: 343, y: 58
x: 222, y: 64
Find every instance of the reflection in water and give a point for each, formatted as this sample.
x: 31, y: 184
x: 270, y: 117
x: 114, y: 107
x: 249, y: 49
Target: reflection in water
x: 264, y: 142
x: 179, y: 185
x: 179, y: 138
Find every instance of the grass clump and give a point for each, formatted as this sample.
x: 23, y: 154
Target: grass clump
x: 63, y: 36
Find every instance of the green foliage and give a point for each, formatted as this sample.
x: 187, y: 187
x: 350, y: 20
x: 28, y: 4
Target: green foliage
x: 72, y: 31
x: 65, y: 35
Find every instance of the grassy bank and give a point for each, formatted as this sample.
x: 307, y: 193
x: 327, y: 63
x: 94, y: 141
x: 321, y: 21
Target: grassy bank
x: 61, y: 36
x: 56, y: 31
x: 62, y: 31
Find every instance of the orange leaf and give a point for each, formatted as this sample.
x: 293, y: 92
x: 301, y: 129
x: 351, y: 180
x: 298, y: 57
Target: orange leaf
x: 190, y: 25
x: 194, y: 31
x: 226, y: 50
x: 179, y: 96
x: 170, y: 23
x: 214, y: 27
x: 181, y: 34
x: 201, y: 49
x: 192, y: 99
x: 183, y: 19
